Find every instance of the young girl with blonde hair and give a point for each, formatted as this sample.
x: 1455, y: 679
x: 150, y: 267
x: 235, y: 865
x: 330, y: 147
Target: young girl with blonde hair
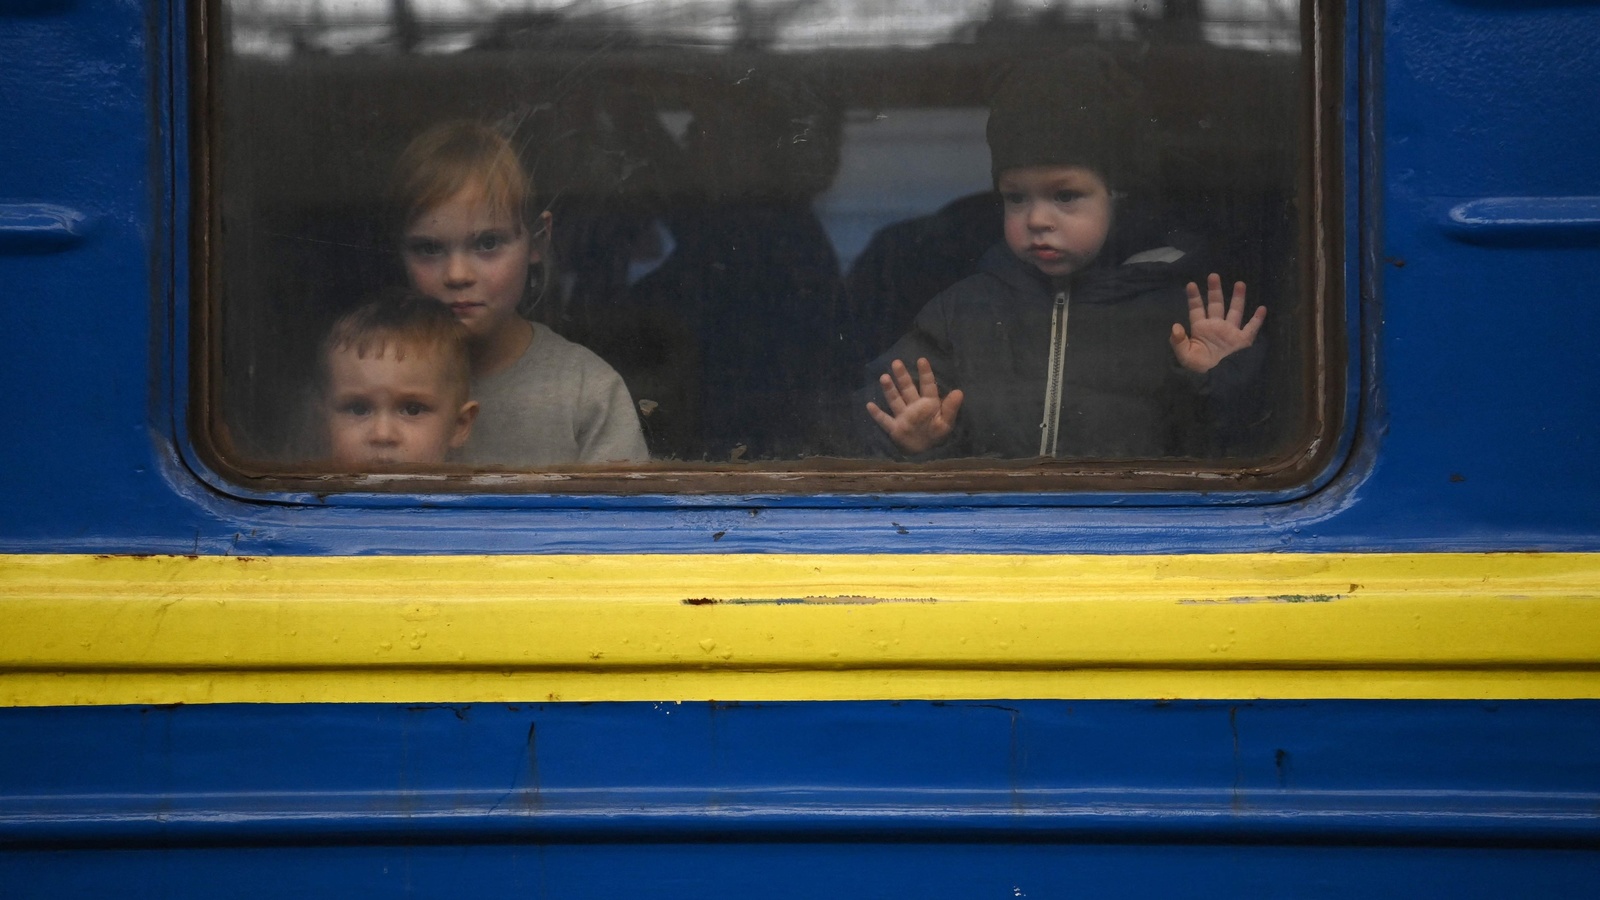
x: 472, y: 237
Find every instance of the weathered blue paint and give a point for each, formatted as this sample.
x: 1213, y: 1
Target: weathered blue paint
x: 807, y: 871
x: 1527, y: 221
x: 1474, y: 429
x: 40, y: 227
x: 1469, y: 143
x: 794, y: 799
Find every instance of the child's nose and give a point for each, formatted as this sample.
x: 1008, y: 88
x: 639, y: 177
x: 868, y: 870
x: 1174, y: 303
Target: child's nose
x: 458, y: 270
x: 385, y: 430
x: 1039, y: 217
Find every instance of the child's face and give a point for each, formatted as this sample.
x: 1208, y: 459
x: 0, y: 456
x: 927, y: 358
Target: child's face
x: 1056, y: 217
x: 475, y: 261
x: 385, y: 410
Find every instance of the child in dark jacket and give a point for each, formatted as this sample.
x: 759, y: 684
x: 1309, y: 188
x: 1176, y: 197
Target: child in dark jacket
x: 999, y: 372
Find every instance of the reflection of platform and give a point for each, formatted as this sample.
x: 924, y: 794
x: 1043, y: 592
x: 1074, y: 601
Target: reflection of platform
x: 320, y: 132
x: 280, y: 28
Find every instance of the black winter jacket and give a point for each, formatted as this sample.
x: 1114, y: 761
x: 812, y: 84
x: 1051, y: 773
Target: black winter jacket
x: 1124, y: 395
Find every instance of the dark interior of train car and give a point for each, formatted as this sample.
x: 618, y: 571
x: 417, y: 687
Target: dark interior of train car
x: 829, y: 193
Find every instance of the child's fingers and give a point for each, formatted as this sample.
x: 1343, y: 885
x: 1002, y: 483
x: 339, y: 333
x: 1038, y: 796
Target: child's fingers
x: 903, y: 381
x: 891, y: 394
x: 929, y: 386
x: 1236, y: 305
x: 1253, y: 327
x: 1197, y: 306
x: 951, y: 406
x: 1178, y: 337
x: 1214, y: 308
x: 884, y: 420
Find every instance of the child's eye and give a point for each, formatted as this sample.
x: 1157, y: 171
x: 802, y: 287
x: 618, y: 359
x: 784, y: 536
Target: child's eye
x: 356, y: 408
x: 1068, y: 196
x: 1014, y: 198
x: 488, y: 243
x: 424, y: 248
x: 413, y: 409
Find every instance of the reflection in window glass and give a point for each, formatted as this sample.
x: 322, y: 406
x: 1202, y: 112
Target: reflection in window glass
x: 734, y: 227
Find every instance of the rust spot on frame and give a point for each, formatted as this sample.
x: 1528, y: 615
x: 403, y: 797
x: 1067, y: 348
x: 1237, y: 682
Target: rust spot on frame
x: 1271, y: 598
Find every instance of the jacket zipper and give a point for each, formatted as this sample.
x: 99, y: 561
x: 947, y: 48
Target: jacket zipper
x: 1050, y: 428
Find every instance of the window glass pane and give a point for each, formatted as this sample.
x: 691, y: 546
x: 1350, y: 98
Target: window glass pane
x: 724, y: 221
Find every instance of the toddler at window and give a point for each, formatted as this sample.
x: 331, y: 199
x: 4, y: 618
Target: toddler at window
x: 1070, y: 339
x: 394, y: 385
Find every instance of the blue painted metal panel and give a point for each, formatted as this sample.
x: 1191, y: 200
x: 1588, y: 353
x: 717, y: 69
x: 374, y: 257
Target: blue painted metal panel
x: 40, y: 228
x: 1478, y: 432
x: 1527, y: 221
x: 810, y: 871
x: 1479, y: 429
x: 798, y: 799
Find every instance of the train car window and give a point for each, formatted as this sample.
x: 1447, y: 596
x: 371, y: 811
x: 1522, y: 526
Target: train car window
x: 775, y: 245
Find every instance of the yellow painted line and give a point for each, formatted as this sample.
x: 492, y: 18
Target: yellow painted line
x: 78, y: 630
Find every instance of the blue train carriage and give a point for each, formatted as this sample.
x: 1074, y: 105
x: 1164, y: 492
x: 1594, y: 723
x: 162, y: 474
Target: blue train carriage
x: 1358, y: 662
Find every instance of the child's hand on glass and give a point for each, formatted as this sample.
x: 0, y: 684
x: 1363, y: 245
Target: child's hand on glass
x: 917, y: 419
x: 1214, y: 331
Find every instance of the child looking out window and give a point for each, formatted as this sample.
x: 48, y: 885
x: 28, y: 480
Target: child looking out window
x: 394, y: 385
x: 471, y: 237
x: 1070, y: 339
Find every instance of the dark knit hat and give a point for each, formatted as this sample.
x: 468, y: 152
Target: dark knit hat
x: 1078, y: 108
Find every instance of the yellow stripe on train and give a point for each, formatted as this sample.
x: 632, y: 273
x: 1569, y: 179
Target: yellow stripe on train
x: 82, y: 630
